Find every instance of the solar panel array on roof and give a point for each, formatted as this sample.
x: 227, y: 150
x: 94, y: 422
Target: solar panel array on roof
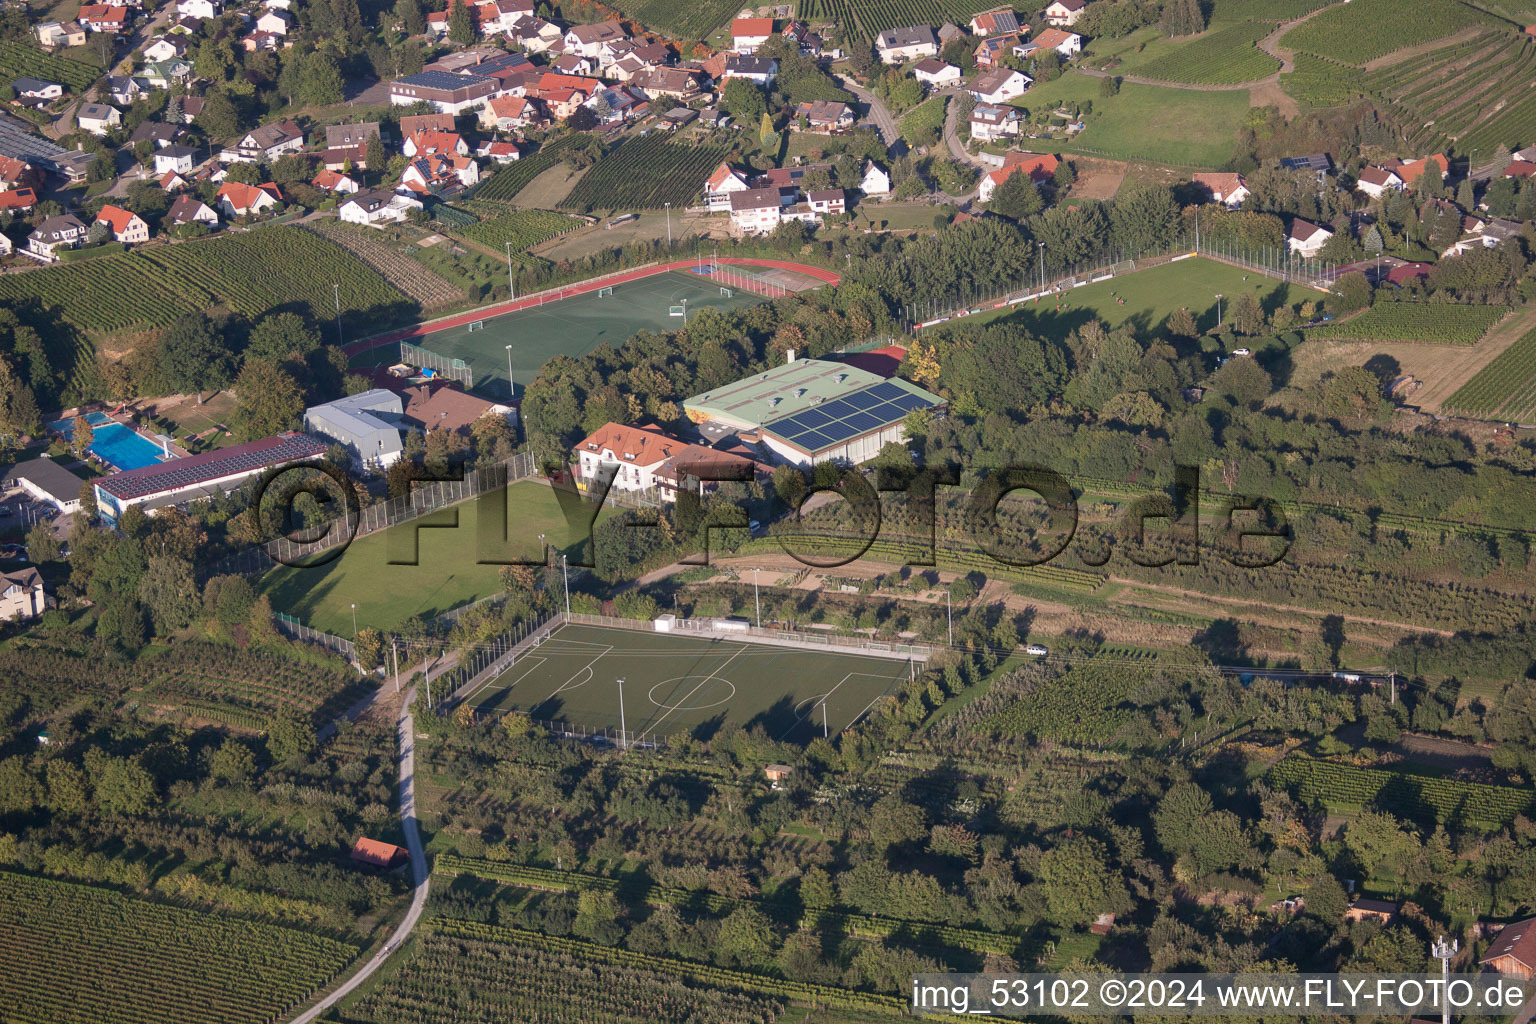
x: 842, y: 419
x: 216, y: 465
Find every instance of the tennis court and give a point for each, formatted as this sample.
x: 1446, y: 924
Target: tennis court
x: 678, y: 683
x: 576, y: 326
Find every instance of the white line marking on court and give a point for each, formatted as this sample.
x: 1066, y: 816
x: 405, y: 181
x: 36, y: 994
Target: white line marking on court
x: 535, y: 659
x: 571, y: 684
x: 689, y: 695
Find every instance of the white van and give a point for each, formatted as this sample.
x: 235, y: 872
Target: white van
x: 1036, y: 651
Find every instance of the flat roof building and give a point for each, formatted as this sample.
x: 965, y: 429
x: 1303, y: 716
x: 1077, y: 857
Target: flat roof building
x: 202, y: 476
x: 46, y: 480
x: 366, y: 424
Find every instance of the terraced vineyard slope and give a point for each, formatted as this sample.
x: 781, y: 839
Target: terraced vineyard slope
x: 428, y: 289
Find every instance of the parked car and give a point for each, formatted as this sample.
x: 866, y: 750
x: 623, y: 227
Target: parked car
x: 1037, y: 650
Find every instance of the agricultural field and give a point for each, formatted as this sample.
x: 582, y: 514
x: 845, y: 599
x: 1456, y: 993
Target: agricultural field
x: 687, y: 22
x: 106, y: 295
x: 924, y: 121
x: 1220, y: 57
x: 282, y: 266
x: 1505, y: 389
x: 524, y: 229
x: 22, y: 60
x: 1179, y: 127
x: 246, y: 687
x: 1439, y: 323
x: 130, y: 959
x: 428, y: 290
x: 505, y: 184
x: 645, y: 173
x: 865, y: 19
x: 1363, y: 30
x: 1263, y: 10
x: 1415, y: 797
x: 1082, y: 706
x: 1316, y: 82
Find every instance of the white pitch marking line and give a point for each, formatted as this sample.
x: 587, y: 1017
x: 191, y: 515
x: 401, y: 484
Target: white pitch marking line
x: 536, y: 662
x: 689, y: 695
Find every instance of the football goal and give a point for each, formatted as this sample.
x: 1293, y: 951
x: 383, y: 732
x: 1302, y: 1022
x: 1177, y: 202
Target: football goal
x: 726, y: 292
x: 605, y: 291
x: 478, y: 325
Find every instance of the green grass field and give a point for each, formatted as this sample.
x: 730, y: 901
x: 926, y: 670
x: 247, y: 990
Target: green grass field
x: 675, y: 683
x: 571, y: 327
x: 1182, y: 127
x: 1147, y: 297
x: 446, y: 574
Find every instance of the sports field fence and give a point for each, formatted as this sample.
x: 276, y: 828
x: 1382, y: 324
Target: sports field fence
x: 444, y: 366
x: 293, y: 628
x: 422, y: 500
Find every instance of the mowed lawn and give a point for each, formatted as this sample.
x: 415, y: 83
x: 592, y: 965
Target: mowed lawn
x: 1149, y: 297
x: 1184, y: 127
x: 445, y: 575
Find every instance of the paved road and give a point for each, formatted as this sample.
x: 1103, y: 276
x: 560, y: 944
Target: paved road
x: 876, y: 111
x: 406, y: 732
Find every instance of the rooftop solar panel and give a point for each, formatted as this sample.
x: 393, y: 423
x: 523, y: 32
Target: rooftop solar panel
x: 814, y: 417
x: 811, y: 440
x: 862, y: 422
x: 907, y: 402
x: 787, y: 425
x: 862, y: 400
x: 885, y: 391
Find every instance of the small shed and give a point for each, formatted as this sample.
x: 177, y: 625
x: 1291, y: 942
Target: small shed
x: 777, y: 773
x: 375, y: 854
x: 677, y: 117
x: 1371, y: 910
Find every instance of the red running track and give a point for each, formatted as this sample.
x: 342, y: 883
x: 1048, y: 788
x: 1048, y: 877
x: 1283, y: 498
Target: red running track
x: 427, y: 327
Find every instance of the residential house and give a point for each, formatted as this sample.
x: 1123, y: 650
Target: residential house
x: 998, y: 86
x: 1484, y: 235
x: 17, y: 200
x: 618, y: 105
x: 507, y: 113
x: 1064, y: 12
x: 1306, y: 239
x: 65, y: 231
x: 191, y: 210
x: 1228, y: 189
x: 573, y: 64
x: 199, y: 9
x: 747, y: 34
x: 994, y: 23
x: 989, y: 122
x: 98, y: 118
x: 757, y: 210
x: 828, y: 201
x: 1041, y: 168
x: 876, y: 180
x: 440, y: 174
x: 162, y: 74
x: 948, y: 33
x: 37, y: 89
x: 275, y: 21
x: 720, y: 185
x: 438, y: 21
x: 441, y: 405
x: 498, y: 152
x: 1317, y: 163
x: 172, y: 181
x: 1068, y: 44
x: 268, y: 142
x: 1371, y: 910
x: 21, y: 595
x: 376, y: 207
x: 236, y: 199
x: 898, y: 45
x: 1376, y: 181
x: 335, y: 181
x: 760, y: 70
x: 640, y: 458
x: 1514, y: 950
x: 410, y: 124
x: 15, y: 171
x: 166, y: 47
x: 53, y: 35
x: 935, y: 73
x: 447, y: 93
x: 534, y: 35
x: 1411, y: 170
x: 588, y: 40
x: 175, y: 159
x: 989, y: 53
x: 427, y: 143
x: 102, y: 18
x: 825, y: 115
x: 673, y: 83
x: 126, y: 227
x: 158, y: 132
x: 123, y: 90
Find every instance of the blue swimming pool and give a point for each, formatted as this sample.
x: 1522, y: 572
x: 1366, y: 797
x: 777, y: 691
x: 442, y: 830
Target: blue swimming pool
x: 118, y: 446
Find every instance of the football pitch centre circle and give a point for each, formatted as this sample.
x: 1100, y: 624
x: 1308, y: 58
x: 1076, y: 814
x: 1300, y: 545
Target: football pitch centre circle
x: 694, y: 699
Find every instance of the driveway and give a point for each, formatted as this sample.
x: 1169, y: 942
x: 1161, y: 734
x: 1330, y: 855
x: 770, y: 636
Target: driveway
x: 405, y: 731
